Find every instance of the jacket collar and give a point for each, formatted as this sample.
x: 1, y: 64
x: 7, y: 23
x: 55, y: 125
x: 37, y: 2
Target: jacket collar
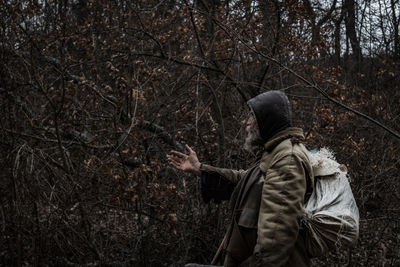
x: 283, y: 135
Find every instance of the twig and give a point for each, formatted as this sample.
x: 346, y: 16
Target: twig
x: 155, y: 128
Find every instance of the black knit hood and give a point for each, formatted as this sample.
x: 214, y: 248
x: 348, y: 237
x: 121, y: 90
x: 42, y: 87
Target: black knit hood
x: 273, y: 113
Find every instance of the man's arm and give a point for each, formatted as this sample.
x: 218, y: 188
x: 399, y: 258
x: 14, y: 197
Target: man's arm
x: 232, y: 176
x: 216, y: 183
x: 190, y: 163
x: 280, y: 212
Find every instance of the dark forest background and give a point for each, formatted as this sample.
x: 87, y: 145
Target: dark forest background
x: 94, y: 94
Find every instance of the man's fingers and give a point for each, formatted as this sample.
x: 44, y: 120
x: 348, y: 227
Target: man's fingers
x: 189, y: 148
x: 174, y: 163
x: 178, y: 154
x: 174, y: 159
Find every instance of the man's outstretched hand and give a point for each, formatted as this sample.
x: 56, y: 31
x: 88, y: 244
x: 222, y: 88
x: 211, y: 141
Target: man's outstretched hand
x: 183, y: 162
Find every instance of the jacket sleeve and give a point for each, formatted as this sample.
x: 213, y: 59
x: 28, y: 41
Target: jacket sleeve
x: 280, y: 212
x: 232, y: 176
x: 218, y: 183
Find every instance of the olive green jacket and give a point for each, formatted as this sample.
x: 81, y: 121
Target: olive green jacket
x: 269, y: 198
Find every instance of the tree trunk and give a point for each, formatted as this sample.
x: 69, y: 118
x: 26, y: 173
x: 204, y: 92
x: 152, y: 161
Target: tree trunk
x: 395, y: 20
x: 337, y: 36
x: 351, y: 34
x: 270, y: 37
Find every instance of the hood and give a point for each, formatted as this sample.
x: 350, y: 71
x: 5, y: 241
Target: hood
x: 273, y: 113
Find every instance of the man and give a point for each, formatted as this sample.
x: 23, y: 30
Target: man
x: 268, y: 198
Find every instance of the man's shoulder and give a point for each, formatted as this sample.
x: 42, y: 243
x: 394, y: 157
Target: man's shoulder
x: 285, y: 150
x: 289, y: 147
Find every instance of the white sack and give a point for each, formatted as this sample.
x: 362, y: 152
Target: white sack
x: 331, y: 215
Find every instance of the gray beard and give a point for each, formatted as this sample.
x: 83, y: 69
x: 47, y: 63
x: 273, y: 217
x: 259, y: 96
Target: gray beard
x: 253, y: 139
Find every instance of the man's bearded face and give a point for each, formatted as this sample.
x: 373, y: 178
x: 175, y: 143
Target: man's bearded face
x: 253, y: 138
